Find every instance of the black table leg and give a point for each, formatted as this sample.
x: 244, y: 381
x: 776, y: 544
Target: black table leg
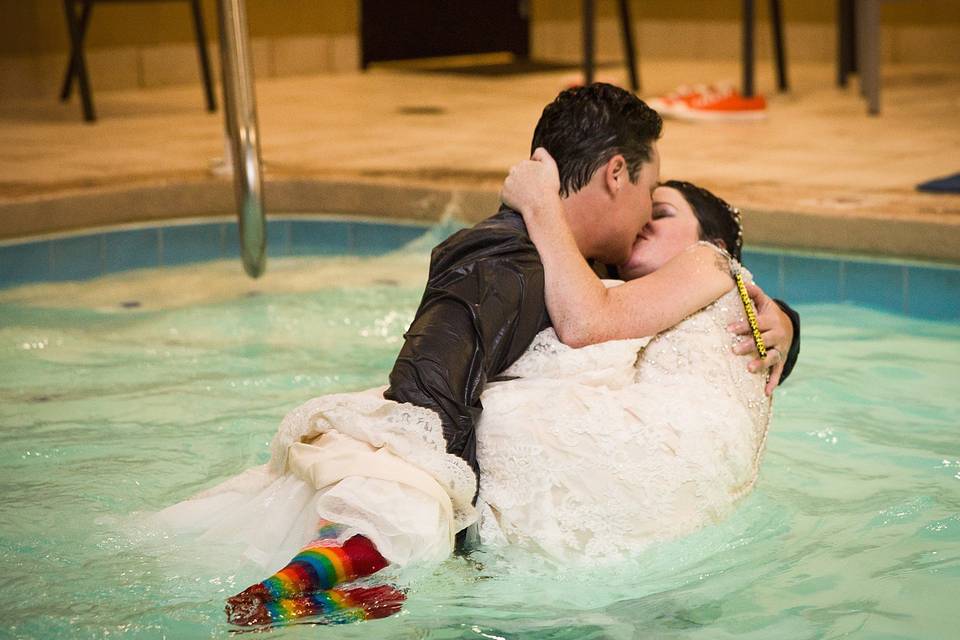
x: 76, y: 47
x: 846, y: 41
x: 870, y: 54
x: 587, y: 42
x: 201, y: 34
x: 748, y: 20
x: 626, y: 27
x: 776, y: 23
x: 67, y: 88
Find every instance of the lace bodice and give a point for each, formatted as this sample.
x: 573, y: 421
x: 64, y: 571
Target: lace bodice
x: 607, y: 363
x: 605, y: 449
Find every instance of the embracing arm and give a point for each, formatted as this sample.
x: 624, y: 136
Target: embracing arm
x: 585, y: 312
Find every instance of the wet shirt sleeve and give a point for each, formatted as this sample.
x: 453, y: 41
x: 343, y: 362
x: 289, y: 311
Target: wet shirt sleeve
x: 482, y: 306
x: 794, y: 353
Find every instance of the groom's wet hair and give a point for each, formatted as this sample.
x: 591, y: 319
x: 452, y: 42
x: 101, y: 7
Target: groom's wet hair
x: 586, y: 126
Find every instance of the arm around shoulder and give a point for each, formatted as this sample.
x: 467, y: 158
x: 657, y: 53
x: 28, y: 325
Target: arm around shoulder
x: 651, y: 304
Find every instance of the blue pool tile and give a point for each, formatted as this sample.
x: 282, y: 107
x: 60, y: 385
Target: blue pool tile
x: 133, y: 249
x: 22, y: 263
x: 231, y: 239
x: 375, y: 239
x: 319, y: 237
x: 183, y: 244
x: 765, y: 268
x: 874, y: 284
x: 933, y: 293
x: 810, y: 280
x: 77, y: 258
x: 278, y: 238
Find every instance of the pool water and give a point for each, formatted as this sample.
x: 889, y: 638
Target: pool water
x: 117, y: 399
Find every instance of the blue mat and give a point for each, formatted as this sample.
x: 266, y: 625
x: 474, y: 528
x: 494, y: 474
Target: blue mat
x: 947, y: 184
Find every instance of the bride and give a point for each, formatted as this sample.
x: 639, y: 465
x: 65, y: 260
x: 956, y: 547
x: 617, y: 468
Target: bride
x: 630, y: 440
x: 588, y: 452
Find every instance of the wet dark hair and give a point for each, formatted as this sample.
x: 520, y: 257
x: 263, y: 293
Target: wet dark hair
x: 586, y: 126
x: 718, y: 220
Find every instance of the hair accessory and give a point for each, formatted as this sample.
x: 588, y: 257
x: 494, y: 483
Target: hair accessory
x: 738, y: 220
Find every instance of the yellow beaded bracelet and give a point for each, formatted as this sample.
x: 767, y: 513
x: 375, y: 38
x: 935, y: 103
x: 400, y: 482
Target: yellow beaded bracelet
x: 751, y: 315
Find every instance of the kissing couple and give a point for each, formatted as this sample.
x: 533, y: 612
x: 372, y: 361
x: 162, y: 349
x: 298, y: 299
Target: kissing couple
x: 532, y: 403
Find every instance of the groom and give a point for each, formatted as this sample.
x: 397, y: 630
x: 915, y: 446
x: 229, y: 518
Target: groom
x: 484, y: 298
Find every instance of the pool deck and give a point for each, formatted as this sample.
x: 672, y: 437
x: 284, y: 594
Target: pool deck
x: 818, y: 174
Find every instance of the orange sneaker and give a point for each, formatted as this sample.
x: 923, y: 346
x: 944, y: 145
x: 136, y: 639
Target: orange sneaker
x: 678, y: 100
x: 727, y: 105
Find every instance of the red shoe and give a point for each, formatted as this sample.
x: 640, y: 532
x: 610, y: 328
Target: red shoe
x: 679, y: 99
x: 721, y: 106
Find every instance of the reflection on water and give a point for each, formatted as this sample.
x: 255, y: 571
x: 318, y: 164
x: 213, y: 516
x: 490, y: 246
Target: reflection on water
x: 108, y: 410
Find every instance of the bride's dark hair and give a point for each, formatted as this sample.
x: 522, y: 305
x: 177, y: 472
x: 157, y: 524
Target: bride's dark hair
x: 718, y: 220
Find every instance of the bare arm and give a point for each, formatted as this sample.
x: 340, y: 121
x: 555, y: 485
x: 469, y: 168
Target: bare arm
x: 585, y: 312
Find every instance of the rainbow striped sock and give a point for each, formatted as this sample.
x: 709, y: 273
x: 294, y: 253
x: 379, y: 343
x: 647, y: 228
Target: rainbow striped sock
x: 338, y: 605
x: 305, y: 586
x: 318, y: 567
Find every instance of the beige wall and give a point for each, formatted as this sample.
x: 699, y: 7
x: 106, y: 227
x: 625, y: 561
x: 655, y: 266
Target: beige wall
x: 38, y: 27
x: 899, y: 12
x: 913, y: 31
x: 31, y: 27
x: 145, y: 44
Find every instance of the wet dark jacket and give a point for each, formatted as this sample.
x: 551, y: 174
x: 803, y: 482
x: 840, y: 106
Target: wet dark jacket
x: 482, y: 307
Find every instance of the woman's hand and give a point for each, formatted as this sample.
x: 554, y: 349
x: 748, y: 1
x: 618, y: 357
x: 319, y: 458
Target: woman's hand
x: 533, y: 186
x: 776, y: 329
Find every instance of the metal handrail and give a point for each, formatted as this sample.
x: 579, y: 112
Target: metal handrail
x: 240, y: 113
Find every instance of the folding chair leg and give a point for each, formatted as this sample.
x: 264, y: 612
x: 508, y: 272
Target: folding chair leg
x: 67, y: 88
x: 870, y: 60
x: 779, y: 49
x: 863, y: 44
x: 587, y: 42
x: 203, y: 55
x: 846, y: 41
x: 626, y: 28
x: 76, y: 47
x: 747, y: 48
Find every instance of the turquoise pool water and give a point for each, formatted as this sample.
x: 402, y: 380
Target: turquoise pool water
x: 112, y: 402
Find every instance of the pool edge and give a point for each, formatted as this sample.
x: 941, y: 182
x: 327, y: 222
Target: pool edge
x: 904, y: 236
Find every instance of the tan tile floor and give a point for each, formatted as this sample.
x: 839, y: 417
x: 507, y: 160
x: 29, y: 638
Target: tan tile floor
x: 818, y: 173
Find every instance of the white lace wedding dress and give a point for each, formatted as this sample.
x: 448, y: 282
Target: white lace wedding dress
x: 605, y: 449
x: 596, y: 451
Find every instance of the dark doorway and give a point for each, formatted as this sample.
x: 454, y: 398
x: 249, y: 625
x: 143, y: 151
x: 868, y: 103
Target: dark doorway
x: 394, y: 30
